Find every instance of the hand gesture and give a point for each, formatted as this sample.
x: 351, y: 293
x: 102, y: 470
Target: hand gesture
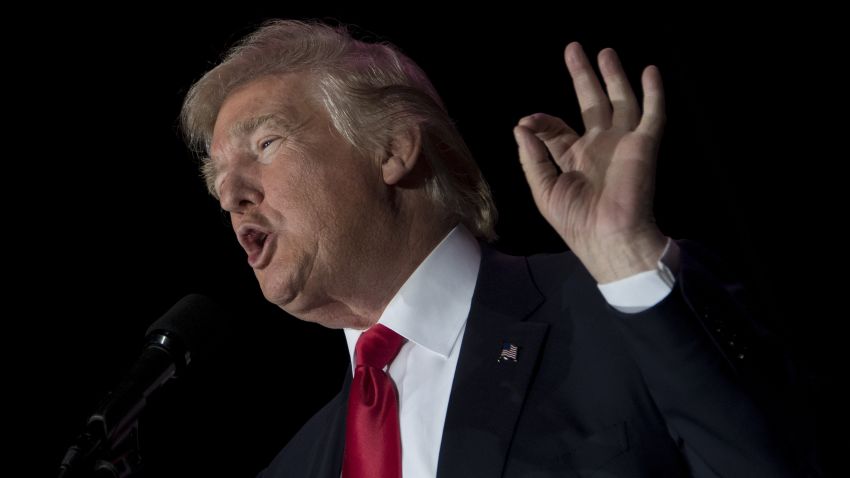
x: 599, y: 196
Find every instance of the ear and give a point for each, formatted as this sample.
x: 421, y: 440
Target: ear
x: 402, y: 155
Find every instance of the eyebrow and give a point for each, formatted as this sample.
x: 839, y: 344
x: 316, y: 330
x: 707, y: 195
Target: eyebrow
x: 248, y: 126
x: 283, y: 119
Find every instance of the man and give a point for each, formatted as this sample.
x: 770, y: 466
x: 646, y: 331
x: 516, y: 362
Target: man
x: 361, y: 208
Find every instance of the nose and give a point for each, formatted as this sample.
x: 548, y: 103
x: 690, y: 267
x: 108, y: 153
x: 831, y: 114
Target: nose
x: 239, y: 193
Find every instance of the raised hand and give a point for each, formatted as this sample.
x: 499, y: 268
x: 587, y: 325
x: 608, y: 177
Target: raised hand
x: 599, y: 196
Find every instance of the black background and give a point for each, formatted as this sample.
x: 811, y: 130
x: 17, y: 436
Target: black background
x: 111, y: 225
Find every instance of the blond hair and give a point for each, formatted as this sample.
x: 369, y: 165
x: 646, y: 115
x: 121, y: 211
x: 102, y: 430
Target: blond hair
x: 370, y: 91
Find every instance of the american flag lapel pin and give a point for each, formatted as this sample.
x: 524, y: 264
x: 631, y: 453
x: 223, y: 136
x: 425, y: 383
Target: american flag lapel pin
x: 508, y: 353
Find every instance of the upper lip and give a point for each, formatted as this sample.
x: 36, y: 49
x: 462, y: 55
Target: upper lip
x: 251, y: 237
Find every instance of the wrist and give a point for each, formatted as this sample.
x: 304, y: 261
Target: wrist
x: 618, y: 258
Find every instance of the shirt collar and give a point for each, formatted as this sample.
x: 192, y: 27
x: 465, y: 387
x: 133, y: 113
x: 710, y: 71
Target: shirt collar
x: 431, y: 307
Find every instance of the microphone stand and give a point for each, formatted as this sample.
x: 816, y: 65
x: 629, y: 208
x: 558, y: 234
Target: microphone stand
x: 87, y: 457
x: 108, y: 447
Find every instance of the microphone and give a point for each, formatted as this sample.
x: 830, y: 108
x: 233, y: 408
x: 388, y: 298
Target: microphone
x: 192, y: 324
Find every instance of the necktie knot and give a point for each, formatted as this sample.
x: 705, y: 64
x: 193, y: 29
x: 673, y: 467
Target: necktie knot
x: 377, y: 347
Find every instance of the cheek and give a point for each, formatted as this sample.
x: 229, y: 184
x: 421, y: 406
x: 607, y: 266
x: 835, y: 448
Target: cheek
x: 289, y: 191
x: 322, y: 194
x: 346, y: 206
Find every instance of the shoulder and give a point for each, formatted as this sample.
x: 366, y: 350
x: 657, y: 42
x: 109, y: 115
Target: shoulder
x: 548, y: 271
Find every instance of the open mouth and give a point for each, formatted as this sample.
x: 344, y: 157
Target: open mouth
x: 255, y: 243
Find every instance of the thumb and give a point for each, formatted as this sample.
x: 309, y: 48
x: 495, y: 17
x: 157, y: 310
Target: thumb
x: 540, y: 172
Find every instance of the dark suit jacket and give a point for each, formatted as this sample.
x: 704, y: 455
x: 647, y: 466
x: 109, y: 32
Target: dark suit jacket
x: 671, y: 391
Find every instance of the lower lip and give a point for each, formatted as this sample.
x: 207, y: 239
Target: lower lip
x: 260, y: 259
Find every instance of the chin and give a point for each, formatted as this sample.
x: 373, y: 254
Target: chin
x: 277, y: 288
x: 282, y: 297
x: 285, y: 286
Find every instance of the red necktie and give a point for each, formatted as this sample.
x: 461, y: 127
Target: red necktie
x: 372, y: 437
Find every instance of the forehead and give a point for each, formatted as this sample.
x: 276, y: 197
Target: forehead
x: 283, y: 96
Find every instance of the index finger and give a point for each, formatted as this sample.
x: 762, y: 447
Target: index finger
x: 595, y: 107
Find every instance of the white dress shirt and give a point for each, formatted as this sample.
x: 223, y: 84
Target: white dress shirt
x: 430, y: 311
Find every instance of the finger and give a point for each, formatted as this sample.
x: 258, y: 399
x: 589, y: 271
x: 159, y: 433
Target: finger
x: 654, y: 115
x: 626, y: 114
x: 595, y: 107
x: 540, y: 173
x: 553, y: 131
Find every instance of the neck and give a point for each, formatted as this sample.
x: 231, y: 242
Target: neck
x: 397, y: 247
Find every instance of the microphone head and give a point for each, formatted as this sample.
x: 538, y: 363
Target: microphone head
x: 196, y: 321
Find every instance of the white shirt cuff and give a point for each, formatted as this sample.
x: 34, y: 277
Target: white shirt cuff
x: 643, y: 290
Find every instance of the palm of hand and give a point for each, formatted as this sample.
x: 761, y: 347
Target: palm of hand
x: 605, y: 188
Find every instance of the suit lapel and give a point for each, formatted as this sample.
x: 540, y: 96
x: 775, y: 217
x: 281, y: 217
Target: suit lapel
x: 329, y: 459
x: 487, y: 394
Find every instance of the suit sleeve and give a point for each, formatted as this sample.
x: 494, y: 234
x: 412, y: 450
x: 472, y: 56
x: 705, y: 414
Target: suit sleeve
x: 720, y: 379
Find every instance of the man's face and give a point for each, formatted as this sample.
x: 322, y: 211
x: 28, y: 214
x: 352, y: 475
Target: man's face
x: 302, y: 202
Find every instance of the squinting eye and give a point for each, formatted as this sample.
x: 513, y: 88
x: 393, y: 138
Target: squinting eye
x: 265, y: 144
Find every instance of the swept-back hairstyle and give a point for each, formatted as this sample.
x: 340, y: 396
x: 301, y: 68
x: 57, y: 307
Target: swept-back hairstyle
x: 370, y: 90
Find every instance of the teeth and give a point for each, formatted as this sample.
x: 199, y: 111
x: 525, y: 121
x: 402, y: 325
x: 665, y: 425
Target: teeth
x: 254, y: 238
